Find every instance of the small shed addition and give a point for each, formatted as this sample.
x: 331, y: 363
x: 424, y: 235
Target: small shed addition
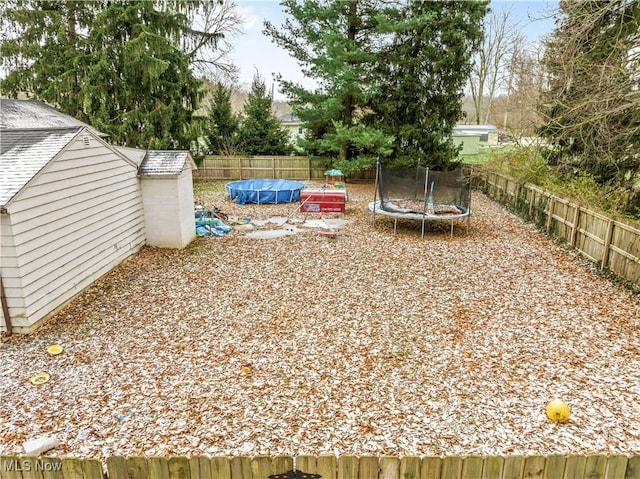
x: 167, y: 192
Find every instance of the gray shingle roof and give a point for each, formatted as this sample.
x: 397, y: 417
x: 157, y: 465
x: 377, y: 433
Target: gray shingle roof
x: 164, y: 162
x: 34, y: 114
x: 23, y: 153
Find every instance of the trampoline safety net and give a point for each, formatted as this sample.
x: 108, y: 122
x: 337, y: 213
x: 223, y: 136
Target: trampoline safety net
x: 421, y: 191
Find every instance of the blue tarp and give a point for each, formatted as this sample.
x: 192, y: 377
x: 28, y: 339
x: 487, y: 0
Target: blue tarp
x: 211, y: 227
x: 264, y: 191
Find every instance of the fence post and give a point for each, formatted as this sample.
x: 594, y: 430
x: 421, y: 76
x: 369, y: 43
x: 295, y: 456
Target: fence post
x: 607, y: 245
x: 574, y: 226
x: 550, y: 214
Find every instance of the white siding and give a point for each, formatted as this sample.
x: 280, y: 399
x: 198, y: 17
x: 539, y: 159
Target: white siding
x: 168, y: 210
x: 80, y: 217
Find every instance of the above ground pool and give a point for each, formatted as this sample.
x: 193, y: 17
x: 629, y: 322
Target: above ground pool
x: 264, y: 191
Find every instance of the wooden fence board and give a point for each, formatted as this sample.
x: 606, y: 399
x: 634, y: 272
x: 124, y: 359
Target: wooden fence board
x: 28, y: 468
x: 513, y: 467
x: 389, y: 468
x: 306, y: 464
x: 595, y: 466
x: 472, y: 467
x: 179, y: 468
x: 282, y: 464
x: 616, y: 467
x: 72, y: 468
x: 10, y: 468
x: 52, y: 468
x: 554, y: 466
x: 633, y: 468
x: 261, y: 467
x: 348, y: 467
x: 241, y: 467
x: 410, y: 467
x: 369, y: 467
x: 451, y: 467
x: 220, y: 467
x: 431, y: 467
x: 158, y: 468
x: 93, y: 469
x: 492, y: 467
x: 533, y: 467
x: 200, y: 467
x: 327, y: 466
x: 574, y: 467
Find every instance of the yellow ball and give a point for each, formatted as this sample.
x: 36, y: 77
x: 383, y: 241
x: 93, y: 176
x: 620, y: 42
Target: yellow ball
x: 558, y: 411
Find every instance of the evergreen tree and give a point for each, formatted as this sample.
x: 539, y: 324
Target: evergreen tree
x: 375, y: 63
x: 260, y: 131
x: 421, y: 77
x: 125, y: 67
x: 334, y: 43
x: 223, y: 123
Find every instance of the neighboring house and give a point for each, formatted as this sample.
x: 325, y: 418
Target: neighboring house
x: 72, y: 207
x: 488, y: 134
x: 293, y: 125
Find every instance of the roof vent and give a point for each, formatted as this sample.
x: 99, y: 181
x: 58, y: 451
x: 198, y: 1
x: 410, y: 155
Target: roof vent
x: 86, y: 140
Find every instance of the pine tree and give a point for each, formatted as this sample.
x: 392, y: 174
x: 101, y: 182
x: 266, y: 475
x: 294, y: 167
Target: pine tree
x: 421, y: 77
x: 372, y: 62
x: 260, y: 131
x: 334, y: 43
x: 223, y: 123
x: 124, y: 67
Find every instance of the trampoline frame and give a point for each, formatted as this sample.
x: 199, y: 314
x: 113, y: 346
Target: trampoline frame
x: 375, y: 207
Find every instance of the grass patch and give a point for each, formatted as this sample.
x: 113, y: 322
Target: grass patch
x: 527, y: 164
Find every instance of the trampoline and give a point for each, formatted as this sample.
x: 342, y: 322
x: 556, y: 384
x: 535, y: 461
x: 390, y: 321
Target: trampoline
x: 422, y: 194
x: 264, y: 191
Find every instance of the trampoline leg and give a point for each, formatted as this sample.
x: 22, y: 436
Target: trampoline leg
x: 395, y: 224
x: 452, y: 228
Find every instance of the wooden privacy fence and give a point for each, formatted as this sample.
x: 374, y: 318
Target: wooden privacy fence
x: 302, y: 168
x: 327, y: 467
x: 238, y: 168
x: 613, y: 245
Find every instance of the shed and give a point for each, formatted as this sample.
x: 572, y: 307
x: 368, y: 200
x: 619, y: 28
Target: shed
x: 470, y: 142
x: 167, y: 192
x: 72, y: 207
x: 71, y: 210
x: 488, y: 133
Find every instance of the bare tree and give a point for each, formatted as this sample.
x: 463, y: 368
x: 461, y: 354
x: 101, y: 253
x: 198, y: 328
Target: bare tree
x: 591, y: 109
x: 503, y: 42
x: 214, y: 24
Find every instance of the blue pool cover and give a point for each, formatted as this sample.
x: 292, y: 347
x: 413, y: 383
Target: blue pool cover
x: 264, y: 191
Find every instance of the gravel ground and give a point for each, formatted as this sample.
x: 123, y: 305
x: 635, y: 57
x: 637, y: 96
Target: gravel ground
x: 363, y: 343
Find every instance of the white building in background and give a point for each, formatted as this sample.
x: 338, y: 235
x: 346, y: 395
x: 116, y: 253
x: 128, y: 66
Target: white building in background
x: 293, y: 125
x: 488, y: 134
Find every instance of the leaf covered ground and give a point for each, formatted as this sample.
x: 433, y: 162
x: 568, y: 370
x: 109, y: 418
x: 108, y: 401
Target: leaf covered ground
x: 356, y: 342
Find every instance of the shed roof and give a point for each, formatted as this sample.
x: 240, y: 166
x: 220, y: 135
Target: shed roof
x: 33, y: 114
x: 165, y: 162
x: 23, y: 153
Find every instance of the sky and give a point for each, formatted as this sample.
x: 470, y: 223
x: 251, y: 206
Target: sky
x: 253, y: 51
